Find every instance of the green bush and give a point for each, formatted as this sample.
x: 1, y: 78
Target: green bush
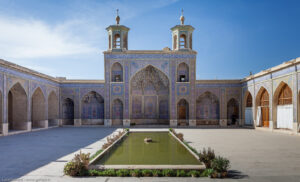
x: 135, y: 173
x: 220, y: 164
x: 207, y: 157
x: 206, y: 173
x: 147, y: 172
x: 181, y: 173
x: 123, y: 172
x: 194, y: 173
x: 109, y: 172
x: 156, y: 173
x: 78, y: 166
x: 168, y: 173
x: 171, y: 129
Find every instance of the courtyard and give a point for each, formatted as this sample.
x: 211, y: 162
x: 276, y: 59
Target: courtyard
x: 254, y: 155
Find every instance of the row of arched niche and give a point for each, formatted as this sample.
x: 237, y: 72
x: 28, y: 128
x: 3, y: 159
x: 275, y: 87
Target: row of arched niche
x: 92, y: 107
x: 282, y: 107
x: 182, y: 72
x: 17, y: 109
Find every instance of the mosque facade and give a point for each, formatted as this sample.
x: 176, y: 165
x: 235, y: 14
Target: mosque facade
x: 149, y: 87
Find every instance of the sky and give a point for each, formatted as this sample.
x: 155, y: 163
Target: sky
x: 66, y: 38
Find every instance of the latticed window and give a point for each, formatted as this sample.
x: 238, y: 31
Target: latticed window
x: 117, y: 41
x: 285, y: 96
x: 264, y: 99
x: 249, y: 101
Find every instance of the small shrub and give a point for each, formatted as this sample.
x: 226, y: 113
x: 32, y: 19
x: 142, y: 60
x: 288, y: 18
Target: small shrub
x: 207, y: 156
x: 181, y: 173
x: 146, y: 173
x: 171, y: 129
x: 207, y: 173
x: 180, y: 136
x: 168, y: 173
x: 78, y: 166
x: 135, y: 173
x: 194, y: 173
x: 123, y: 172
x: 220, y: 164
x: 109, y: 172
x: 156, y: 173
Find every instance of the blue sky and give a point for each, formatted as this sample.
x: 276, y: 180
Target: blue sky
x: 67, y: 37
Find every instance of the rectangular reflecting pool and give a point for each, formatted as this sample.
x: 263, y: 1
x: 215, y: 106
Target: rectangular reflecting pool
x: 132, y: 150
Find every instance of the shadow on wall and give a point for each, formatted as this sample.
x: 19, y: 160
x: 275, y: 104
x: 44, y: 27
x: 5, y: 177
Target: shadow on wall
x: 36, y: 149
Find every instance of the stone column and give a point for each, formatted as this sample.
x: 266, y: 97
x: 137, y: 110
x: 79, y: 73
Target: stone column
x: 29, y: 122
x: 223, y: 107
x: 295, y: 102
x: 173, y: 105
x: 5, y: 107
x: 126, y: 114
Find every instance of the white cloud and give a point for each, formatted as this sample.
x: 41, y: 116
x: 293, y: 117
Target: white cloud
x: 20, y: 38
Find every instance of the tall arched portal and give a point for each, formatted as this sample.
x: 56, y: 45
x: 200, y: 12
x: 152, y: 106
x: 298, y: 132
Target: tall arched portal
x: 17, y: 108
x: 232, y: 112
x: 38, y: 110
x: 262, y: 114
x: 92, y: 108
x: 248, y: 109
x: 117, y: 112
x: 283, y: 108
x: 207, y: 109
x: 68, y: 111
x: 149, y: 97
x: 183, y: 112
x: 53, y: 109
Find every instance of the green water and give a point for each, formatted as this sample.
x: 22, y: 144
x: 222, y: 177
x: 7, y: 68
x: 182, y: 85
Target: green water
x: 164, y: 150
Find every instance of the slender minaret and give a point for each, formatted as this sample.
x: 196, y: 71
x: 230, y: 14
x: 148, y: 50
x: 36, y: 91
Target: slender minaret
x: 117, y: 36
x: 182, y: 35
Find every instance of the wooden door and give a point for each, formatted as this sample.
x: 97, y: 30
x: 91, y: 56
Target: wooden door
x: 182, y: 112
x: 265, y: 116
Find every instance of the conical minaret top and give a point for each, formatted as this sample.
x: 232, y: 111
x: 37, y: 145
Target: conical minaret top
x: 118, y: 17
x: 182, y: 17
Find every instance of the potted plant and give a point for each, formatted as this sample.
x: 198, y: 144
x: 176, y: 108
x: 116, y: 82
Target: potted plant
x: 220, y: 165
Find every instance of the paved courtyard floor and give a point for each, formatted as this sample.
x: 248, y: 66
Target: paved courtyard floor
x: 254, y: 155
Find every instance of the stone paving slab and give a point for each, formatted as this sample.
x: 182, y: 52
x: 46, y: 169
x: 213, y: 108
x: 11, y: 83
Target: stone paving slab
x: 254, y: 155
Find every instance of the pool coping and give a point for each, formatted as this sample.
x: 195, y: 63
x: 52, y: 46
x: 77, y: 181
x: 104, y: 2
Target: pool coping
x: 145, y: 166
x: 107, y: 149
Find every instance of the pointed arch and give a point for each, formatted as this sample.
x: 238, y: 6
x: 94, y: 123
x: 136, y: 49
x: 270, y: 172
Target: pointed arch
x: 68, y: 111
x: 283, y: 106
x: 232, y: 112
x: 182, y: 41
x: 38, y: 109
x: 117, y: 112
x: 147, y: 88
x: 183, y: 112
x: 117, y: 72
x: 248, y: 105
x: 53, y: 109
x: 17, y: 108
x: 207, y: 109
x: 182, y: 72
x: 262, y: 107
x: 92, y: 106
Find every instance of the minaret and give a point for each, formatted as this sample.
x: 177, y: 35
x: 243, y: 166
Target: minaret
x: 117, y: 36
x: 182, y: 36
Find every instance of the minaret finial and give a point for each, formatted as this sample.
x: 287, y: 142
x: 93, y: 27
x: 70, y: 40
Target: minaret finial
x: 118, y: 17
x: 182, y: 17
